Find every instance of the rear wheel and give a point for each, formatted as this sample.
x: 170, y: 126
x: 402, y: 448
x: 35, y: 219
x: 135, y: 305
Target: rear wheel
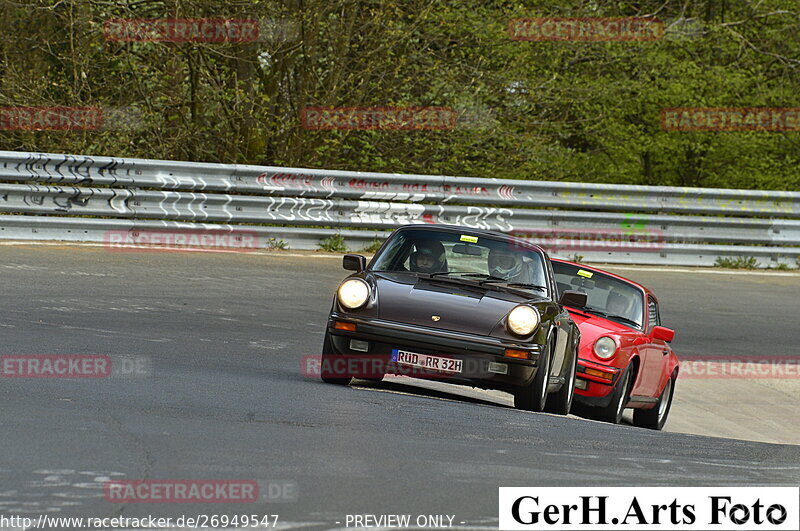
x: 619, y: 399
x: 533, y: 396
x: 560, y: 402
x: 329, y: 370
x: 655, y: 418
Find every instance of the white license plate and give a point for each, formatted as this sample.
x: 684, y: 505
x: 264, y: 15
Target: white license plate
x: 425, y: 361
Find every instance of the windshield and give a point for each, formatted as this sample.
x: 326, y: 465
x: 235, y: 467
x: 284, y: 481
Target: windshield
x: 463, y: 255
x: 606, y: 296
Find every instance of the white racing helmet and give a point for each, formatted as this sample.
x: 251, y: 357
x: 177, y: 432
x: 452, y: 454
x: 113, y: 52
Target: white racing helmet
x: 504, y: 264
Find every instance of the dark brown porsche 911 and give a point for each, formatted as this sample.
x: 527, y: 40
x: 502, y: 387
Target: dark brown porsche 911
x: 460, y: 305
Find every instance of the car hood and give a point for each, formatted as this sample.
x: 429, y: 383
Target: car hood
x: 461, y: 308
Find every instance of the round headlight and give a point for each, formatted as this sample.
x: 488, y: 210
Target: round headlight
x: 353, y: 293
x: 523, y: 320
x: 605, y: 348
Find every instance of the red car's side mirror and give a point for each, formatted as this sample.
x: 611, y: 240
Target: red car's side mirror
x: 663, y: 333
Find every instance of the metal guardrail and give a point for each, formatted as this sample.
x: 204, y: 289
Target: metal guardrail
x: 611, y: 223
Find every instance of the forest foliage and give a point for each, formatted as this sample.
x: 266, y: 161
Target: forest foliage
x: 563, y: 111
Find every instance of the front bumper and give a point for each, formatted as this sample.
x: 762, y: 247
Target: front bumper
x: 476, y: 352
x: 591, y: 389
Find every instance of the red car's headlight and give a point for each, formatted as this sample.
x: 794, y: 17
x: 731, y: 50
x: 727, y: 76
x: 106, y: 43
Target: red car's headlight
x: 605, y: 348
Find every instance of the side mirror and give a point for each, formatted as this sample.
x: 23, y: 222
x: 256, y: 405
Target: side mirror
x: 663, y: 333
x: 354, y: 262
x: 576, y: 299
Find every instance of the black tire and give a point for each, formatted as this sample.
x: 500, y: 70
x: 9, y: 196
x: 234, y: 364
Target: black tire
x: 328, y: 358
x: 533, y: 396
x: 619, y: 399
x: 655, y: 418
x: 560, y: 402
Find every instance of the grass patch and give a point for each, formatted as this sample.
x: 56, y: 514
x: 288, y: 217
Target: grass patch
x: 275, y: 243
x: 737, y: 262
x: 333, y: 244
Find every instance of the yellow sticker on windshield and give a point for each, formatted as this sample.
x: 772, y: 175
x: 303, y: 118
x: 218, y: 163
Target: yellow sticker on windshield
x: 584, y: 273
x: 470, y: 239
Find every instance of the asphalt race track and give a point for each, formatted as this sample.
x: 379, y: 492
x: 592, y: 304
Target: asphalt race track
x: 222, y: 337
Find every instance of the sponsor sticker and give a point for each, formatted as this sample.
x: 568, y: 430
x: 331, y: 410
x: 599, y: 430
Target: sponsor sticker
x: 584, y: 273
x: 470, y: 239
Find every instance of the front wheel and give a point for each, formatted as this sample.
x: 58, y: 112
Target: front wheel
x: 328, y: 368
x: 619, y: 399
x: 560, y: 402
x: 533, y: 396
x: 655, y: 418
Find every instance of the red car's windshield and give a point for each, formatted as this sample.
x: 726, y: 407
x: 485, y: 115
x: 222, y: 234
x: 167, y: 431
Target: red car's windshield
x: 607, y: 296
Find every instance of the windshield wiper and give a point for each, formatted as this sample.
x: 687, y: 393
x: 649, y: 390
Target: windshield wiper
x: 467, y: 274
x: 490, y: 279
x: 493, y: 279
x: 486, y: 279
x: 482, y: 275
x: 529, y: 286
x: 601, y: 313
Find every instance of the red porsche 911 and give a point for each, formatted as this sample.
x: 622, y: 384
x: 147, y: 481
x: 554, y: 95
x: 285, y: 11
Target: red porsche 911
x: 624, y: 359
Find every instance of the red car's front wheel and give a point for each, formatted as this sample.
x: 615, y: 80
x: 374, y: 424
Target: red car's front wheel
x: 619, y: 399
x: 655, y: 418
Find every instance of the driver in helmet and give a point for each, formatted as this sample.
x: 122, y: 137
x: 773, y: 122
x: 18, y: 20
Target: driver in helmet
x: 617, y: 304
x: 428, y: 257
x: 507, y: 265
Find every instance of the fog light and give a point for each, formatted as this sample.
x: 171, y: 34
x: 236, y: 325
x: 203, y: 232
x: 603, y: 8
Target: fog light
x: 600, y: 374
x: 514, y: 353
x: 341, y: 325
x: 361, y: 346
x: 498, y: 368
x: 581, y: 384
